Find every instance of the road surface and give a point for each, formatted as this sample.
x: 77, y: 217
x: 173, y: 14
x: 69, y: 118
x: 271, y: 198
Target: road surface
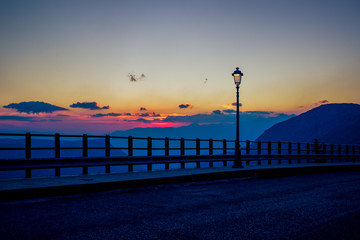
x: 323, y: 206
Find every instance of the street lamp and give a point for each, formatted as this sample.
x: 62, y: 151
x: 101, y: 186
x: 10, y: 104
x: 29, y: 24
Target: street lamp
x: 237, y: 74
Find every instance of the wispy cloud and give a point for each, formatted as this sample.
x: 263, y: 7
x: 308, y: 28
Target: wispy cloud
x: 234, y: 104
x: 88, y: 105
x: 34, y: 107
x: 140, y: 120
x: 187, y: 105
x: 133, y: 78
x: 27, y: 119
x: 229, y: 111
x: 217, y: 112
x: 321, y: 102
x: 106, y: 115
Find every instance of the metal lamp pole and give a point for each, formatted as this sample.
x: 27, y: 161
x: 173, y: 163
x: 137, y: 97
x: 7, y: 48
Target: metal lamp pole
x: 237, y: 74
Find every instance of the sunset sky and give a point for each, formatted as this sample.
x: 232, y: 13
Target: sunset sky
x: 100, y: 66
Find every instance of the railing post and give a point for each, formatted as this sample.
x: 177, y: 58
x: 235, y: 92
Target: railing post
x: 210, y: 147
x: 224, y: 147
x: 57, y: 145
x: 57, y: 172
x: 279, y: 147
x: 324, y: 149
x: 290, y: 151
x: 332, y: 149
x: 339, y: 149
x: 182, y: 146
x: 308, y: 148
x: 298, y: 148
x: 107, y: 145
x: 149, y: 146
x: 347, y: 149
x: 290, y: 148
x: 85, y: 145
x: 247, y: 147
x: 299, y: 152
x: 197, y: 146
x: 259, y: 147
x: 269, y: 147
x: 353, y: 149
x: 28, y: 145
x: 130, y: 147
x: 166, y: 146
x: 28, y: 173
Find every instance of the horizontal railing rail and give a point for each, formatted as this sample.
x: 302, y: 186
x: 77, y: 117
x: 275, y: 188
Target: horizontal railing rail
x: 40, y: 151
x: 177, y: 146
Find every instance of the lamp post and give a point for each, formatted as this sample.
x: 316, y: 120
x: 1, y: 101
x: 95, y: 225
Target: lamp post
x: 237, y: 74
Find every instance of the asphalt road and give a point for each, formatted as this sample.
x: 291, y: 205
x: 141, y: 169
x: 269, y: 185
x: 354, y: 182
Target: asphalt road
x: 323, y: 206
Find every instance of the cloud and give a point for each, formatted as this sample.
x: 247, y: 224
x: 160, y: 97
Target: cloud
x: 234, y: 104
x: 156, y: 115
x: 206, y: 80
x: 229, y: 111
x: 106, y: 115
x: 144, y: 115
x: 217, y: 112
x: 143, y: 109
x: 34, y: 107
x: 88, y: 105
x: 26, y: 119
x: 140, y: 120
x: 321, y: 102
x: 127, y: 114
x: 259, y: 112
x: 182, y: 106
x: 17, y: 118
x: 133, y: 78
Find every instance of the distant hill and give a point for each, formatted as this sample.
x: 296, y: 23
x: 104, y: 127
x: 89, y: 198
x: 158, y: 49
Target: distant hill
x: 330, y: 123
x: 48, y: 143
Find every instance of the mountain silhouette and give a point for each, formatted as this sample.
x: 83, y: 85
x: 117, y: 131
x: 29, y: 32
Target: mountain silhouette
x: 337, y: 123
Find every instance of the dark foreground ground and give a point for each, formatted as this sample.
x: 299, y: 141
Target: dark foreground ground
x: 324, y: 206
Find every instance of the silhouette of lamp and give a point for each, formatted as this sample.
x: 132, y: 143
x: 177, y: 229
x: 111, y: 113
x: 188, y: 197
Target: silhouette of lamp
x: 237, y: 74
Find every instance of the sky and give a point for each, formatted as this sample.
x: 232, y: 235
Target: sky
x: 100, y: 66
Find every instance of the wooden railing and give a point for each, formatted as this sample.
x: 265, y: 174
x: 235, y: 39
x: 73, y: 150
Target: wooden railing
x: 130, y: 151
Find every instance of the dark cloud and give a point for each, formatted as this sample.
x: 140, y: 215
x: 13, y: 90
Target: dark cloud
x: 259, y: 112
x: 34, y: 107
x: 17, y: 118
x: 156, y: 115
x: 133, y: 78
x: 88, y: 105
x: 144, y: 115
x: 229, y: 111
x: 143, y: 109
x: 206, y: 80
x: 217, y: 112
x: 185, y: 106
x: 127, y: 114
x: 27, y: 119
x: 234, y: 104
x: 140, y: 120
x: 321, y: 102
x: 106, y: 115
